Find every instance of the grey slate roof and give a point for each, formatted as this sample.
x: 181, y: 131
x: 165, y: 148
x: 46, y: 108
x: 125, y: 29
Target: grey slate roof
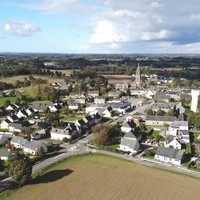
x: 161, y: 118
x: 129, y: 124
x: 128, y: 142
x: 33, y: 145
x: 19, y: 140
x: 169, y: 138
x: 5, y: 153
x: 132, y: 134
x: 170, y: 153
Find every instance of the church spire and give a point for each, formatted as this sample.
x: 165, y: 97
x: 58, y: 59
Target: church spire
x: 137, y: 76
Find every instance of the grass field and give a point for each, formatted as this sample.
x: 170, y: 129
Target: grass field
x: 3, y: 99
x: 99, y: 177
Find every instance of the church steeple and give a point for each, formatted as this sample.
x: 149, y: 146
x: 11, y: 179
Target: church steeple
x: 137, y: 76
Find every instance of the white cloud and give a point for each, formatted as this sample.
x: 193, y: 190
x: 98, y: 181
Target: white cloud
x: 20, y: 28
x: 58, y: 7
x: 115, y: 24
x: 106, y: 32
x: 156, y: 35
x: 85, y: 48
x: 154, y: 5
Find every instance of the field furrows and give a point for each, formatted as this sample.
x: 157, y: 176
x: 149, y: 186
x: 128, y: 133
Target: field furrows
x: 101, y: 177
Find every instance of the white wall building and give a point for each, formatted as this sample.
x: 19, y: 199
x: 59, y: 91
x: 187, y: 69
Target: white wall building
x: 195, y: 98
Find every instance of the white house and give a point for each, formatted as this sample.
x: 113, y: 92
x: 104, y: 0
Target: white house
x: 150, y: 93
x: 5, y: 124
x: 129, y: 143
x: 30, y: 111
x: 171, y: 141
x: 153, y: 120
x: 32, y: 147
x: 22, y: 114
x: 17, y: 127
x: 12, y: 107
x: 18, y: 142
x: 5, y: 154
x: 128, y: 126
x: 169, y: 155
x: 60, y: 134
x: 13, y: 118
x: 177, y: 126
x: 3, y: 139
x: 74, y: 106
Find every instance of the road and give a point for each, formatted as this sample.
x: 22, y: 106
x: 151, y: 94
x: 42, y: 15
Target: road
x: 140, y: 109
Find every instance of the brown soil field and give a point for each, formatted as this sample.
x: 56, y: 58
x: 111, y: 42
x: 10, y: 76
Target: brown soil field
x: 118, y: 78
x: 99, y: 177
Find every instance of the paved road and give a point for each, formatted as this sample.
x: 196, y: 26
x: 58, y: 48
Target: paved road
x: 140, y: 109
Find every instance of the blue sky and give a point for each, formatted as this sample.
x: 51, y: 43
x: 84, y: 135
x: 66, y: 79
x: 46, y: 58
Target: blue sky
x: 100, y: 26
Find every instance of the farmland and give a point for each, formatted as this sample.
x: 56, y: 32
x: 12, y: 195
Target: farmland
x: 104, y: 177
x: 118, y: 78
x: 13, y: 79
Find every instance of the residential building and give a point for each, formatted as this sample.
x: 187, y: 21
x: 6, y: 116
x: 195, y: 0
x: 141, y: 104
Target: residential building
x: 172, y: 142
x: 32, y: 147
x: 169, y: 155
x: 152, y: 120
x: 128, y: 126
x: 100, y: 100
x: 18, y: 142
x: 5, y: 154
x: 129, y: 143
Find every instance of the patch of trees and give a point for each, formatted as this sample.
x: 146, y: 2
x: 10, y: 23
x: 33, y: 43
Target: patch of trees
x: 106, y: 134
x: 45, y: 92
x: 19, y: 168
x: 193, y: 118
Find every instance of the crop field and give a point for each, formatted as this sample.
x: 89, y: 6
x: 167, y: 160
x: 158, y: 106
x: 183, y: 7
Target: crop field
x: 118, y: 78
x: 99, y: 177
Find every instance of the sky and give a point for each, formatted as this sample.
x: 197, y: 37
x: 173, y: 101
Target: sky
x: 100, y: 26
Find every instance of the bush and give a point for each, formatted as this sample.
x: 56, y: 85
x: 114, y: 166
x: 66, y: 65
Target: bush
x: 66, y: 140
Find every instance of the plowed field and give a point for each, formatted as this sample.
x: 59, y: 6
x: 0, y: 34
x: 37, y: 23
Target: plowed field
x: 99, y: 177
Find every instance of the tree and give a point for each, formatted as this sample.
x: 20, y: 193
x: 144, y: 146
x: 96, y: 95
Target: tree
x: 19, y: 168
x: 160, y: 112
x: 105, y: 134
x: 29, y: 131
x: 45, y: 92
x: 149, y: 112
x: 39, y: 152
x: 170, y: 113
x: 7, y: 102
x: 188, y: 149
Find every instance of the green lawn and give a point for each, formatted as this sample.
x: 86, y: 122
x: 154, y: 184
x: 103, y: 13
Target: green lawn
x: 3, y: 99
x: 73, y: 117
x: 28, y: 91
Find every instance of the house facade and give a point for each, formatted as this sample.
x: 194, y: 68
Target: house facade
x: 169, y: 155
x: 130, y: 143
x: 152, y: 120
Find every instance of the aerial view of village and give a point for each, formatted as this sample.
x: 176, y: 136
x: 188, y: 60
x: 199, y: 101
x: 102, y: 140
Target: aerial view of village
x: 99, y: 100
